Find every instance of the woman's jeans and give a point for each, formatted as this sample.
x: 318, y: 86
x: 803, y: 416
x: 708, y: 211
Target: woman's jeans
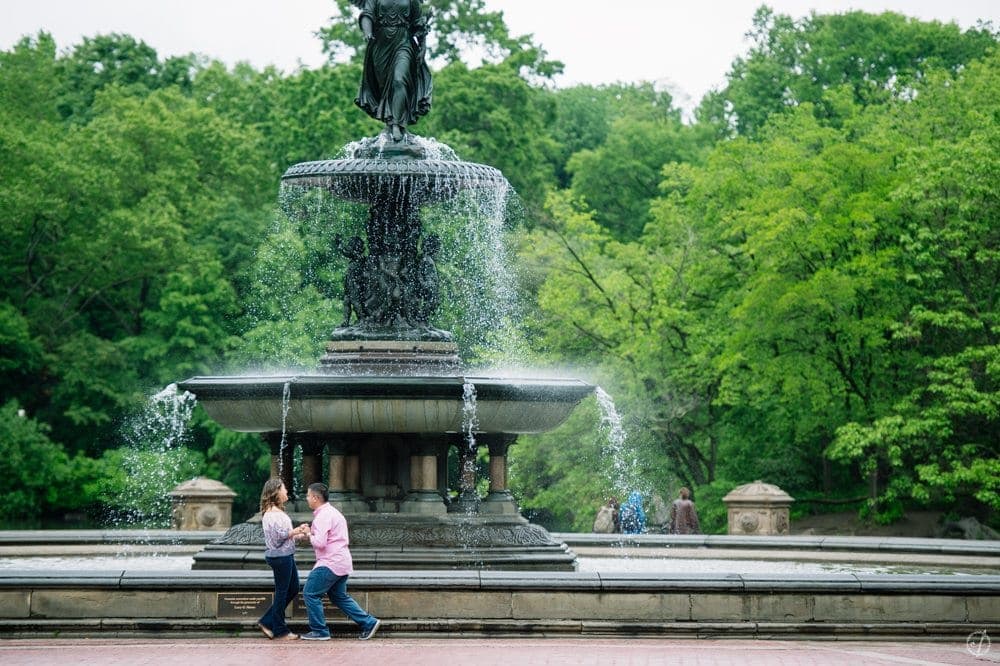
x: 323, y: 581
x: 286, y: 588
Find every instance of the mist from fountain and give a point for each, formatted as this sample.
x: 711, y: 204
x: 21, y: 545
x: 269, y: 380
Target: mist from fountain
x: 153, y: 460
x: 621, y: 461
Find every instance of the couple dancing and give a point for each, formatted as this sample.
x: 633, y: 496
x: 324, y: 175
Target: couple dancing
x: 329, y: 539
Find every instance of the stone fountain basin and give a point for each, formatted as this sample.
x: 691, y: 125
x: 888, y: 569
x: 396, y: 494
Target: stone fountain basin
x: 332, y: 404
x: 364, y: 180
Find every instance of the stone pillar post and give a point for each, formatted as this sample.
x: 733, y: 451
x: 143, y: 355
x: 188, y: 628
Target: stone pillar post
x: 281, y: 461
x: 758, y: 509
x: 499, y: 500
x: 312, y: 459
x: 423, y: 497
x: 344, y: 478
x: 202, y: 504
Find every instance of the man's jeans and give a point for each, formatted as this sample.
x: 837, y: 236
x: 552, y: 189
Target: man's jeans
x: 286, y: 588
x: 323, y: 581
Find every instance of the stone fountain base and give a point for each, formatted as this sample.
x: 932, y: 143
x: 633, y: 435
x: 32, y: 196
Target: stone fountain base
x: 395, y: 541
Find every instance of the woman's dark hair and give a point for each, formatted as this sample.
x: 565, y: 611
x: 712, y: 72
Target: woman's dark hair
x: 269, y: 495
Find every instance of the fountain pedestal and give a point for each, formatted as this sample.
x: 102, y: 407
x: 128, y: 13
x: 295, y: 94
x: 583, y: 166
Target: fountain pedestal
x: 387, y: 440
x: 390, y: 398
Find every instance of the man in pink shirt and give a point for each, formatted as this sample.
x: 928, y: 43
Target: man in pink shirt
x: 329, y: 539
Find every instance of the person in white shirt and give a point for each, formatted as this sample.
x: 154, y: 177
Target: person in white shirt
x: 279, y: 553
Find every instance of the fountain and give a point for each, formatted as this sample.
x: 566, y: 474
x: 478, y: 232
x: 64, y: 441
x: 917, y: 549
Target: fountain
x: 390, y: 396
x: 389, y: 400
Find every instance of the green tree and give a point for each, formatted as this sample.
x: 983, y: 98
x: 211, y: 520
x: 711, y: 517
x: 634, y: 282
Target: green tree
x: 307, y: 115
x: 938, y: 442
x: 97, y: 217
x: 878, y: 57
x: 115, y: 60
x: 620, y: 178
x: 33, y: 466
x: 491, y: 115
x: 621, y: 307
x: 821, y: 292
x: 242, y: 461
x: 584, y: 115
x: 562, y: 478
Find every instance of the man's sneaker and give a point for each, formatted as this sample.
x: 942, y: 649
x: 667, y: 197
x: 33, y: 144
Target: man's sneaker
x: 368, y: 633
x: 315, y: 636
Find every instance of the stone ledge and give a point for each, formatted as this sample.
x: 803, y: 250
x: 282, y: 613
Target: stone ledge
x: 791, y: 543
x: 155, y: 627
x: 964, y: 585
x: 532, y: 603
x: 87, y: 537
x: 830, y: 544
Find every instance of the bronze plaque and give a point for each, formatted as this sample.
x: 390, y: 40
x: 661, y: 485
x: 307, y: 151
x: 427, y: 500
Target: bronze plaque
x: 236, y: 605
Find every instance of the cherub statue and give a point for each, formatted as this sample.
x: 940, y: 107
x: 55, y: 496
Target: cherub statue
x: 396, y: 84
x: 355, y: 277
x: 428, y: 290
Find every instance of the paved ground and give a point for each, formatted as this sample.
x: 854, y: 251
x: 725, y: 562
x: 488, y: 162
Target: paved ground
x: 488, y: 651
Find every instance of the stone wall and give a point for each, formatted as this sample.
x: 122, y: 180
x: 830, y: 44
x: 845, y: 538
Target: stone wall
x: 40, y: 603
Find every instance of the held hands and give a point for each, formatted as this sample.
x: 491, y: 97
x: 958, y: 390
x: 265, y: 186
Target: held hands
x: 301, y: 532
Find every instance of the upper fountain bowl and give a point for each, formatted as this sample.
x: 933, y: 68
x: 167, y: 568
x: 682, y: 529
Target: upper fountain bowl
x: 353, y: 404
x: 366, y: 179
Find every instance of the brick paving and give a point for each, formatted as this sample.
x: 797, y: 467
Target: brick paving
x: 487, y: 652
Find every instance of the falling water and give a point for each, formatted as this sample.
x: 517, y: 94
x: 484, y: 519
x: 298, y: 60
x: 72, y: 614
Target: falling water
x: 479, y: 303
x: 486, y: 291
x: 153, y: 460
x: 470, y: 420
x: 622, y: 463
x: 431, y: 148
x: 468, y: 497
x: 286, y: 399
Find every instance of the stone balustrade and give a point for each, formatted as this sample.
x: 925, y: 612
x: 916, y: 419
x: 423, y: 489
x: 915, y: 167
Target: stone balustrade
x: 834, y: 605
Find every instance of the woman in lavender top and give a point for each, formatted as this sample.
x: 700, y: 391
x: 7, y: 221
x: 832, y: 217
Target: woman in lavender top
x: 279, y: 553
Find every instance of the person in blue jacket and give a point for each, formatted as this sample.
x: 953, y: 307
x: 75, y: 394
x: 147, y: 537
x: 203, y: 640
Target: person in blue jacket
x: 633, y: 518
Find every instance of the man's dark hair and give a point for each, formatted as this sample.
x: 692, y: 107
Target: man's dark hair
x: 321, y: 490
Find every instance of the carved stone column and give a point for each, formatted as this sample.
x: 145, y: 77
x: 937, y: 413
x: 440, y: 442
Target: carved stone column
x: 424, y: 497
x: 499, y: 500
x: 281, y: 461
x: 345, y: 475
x: 312, y: 459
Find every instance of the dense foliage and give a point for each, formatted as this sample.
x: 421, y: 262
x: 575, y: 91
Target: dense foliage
x: 801, y: 286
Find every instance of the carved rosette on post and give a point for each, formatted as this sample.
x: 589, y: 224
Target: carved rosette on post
x: 202, y: 504
x: 758, y: 509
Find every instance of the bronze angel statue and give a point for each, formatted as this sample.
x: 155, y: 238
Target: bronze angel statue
x: 396, y: 84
